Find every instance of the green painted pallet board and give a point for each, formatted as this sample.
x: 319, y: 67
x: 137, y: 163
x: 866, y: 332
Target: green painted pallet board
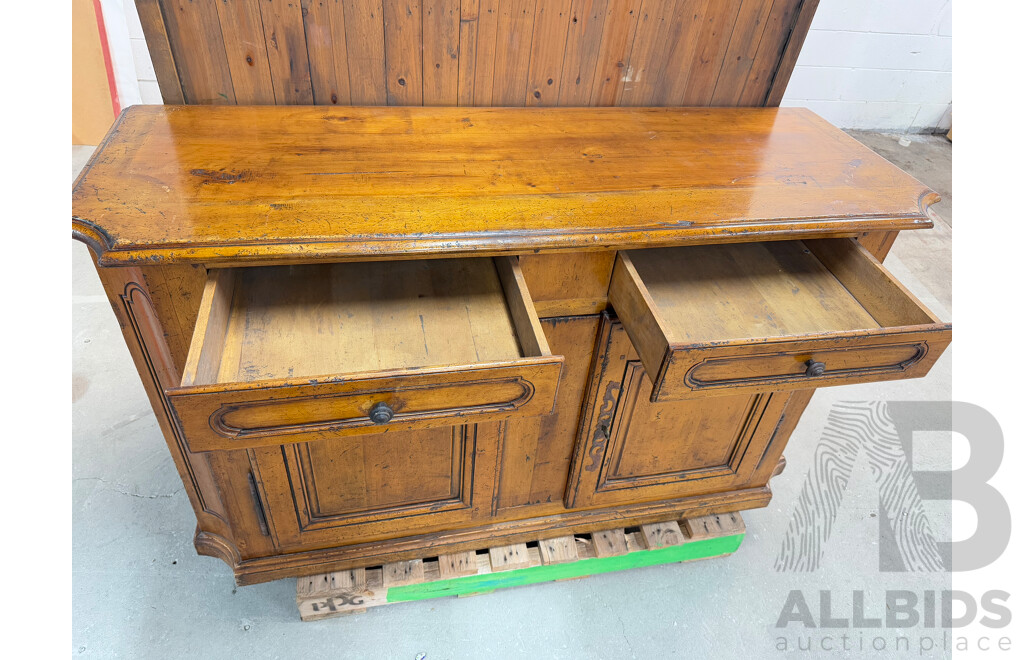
x: 473, y: 584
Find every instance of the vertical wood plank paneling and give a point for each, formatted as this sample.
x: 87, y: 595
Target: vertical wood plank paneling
x: 550, y: 27
x: 403, y: 51
x: 682, y: 48
x: 802, y: 23
x: 743, y: 45
x: 512, y: 52
x: 469, y: 13
x: 441, y: 52
x: 246, y: 48
x: 486, y: 45
x: 616, y: 44
x: 476, y: 52
x: 339, y: 39
x: 769, y: 51
x: 643, y: 69
x: 364, y: 39
x: 324, y: 25
x: 582, y: 45
x: 153, y: 26
x: 711, y: 47
x: 286, y: 50
x: 193, y: 30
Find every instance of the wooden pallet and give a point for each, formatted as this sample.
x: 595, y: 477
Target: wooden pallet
x: 470, y: 573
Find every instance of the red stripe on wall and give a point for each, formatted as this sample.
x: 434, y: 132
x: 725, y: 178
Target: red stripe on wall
x: 107, y: 62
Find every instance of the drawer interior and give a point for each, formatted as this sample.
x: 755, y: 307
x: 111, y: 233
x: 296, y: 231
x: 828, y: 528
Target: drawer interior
x: 714, y: 293
x: 287, y: 322
x: 769, y: 316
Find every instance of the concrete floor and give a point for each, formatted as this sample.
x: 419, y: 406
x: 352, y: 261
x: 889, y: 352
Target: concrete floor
x: 140, y: 590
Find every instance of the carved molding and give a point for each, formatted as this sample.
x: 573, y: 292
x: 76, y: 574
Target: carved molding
x: 214, y: 545
x: 219, y: 418
x: 98, y: 240
x: 264, y: 569
x: 693, y: 381
x: 311, y: 518
x: 619, y: 432
x: 128, y: 301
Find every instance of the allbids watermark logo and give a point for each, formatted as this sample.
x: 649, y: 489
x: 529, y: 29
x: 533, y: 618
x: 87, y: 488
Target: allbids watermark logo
x: 900, y: 620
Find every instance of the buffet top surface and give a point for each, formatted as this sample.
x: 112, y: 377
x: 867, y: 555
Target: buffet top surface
x: 244, y: 185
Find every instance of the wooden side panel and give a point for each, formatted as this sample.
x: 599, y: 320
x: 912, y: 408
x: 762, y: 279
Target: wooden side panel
x: 176, y: 292
x: 878, y: 243
x: 790, y: 52
x: 145, y: 333
x: 864, y: 276
x: 520, y: 307
x: 476, y: 52
x: 155, y: 29
x: 774, y: 42
x: 646, y: 328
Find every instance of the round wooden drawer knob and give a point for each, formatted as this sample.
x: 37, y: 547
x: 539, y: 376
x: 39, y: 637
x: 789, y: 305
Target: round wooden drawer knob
x: 814, y: 368
x: 381, y: 413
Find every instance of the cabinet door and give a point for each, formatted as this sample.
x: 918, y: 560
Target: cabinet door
x: 632, y: 450
x: 389, y: 485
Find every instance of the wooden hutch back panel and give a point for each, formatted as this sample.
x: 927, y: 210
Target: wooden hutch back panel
x: 475, y: 52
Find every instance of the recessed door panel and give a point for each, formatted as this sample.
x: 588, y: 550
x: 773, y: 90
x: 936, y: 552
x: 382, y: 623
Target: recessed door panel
x: 630, y: 449
x: 387, y: 485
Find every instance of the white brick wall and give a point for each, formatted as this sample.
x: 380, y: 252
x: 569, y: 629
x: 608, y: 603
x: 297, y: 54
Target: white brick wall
x: 878, y: 64
x: 149, y: 91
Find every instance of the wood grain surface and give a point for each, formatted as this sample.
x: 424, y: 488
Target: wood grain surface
x: 244, y: 185
x: 475, y: 52
x: 753, y: 317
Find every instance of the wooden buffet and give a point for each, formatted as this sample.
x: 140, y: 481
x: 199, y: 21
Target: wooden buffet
x: 372, y: 334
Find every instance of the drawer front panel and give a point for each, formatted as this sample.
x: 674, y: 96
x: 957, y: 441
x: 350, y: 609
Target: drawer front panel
x: 799, y: 365
x: 289, y: 412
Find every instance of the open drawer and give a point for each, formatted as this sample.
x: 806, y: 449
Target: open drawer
x: 296, y: 353
x: 758, y: 317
